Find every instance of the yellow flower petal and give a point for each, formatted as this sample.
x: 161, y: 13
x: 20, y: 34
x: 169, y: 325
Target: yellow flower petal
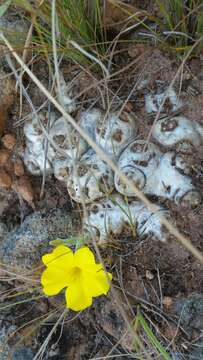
x: 97, y: 283
x: 84, y: 257
x: 61, y: 257
x: 78, y: 272
x: 53, y: 280
x: 77, y: 296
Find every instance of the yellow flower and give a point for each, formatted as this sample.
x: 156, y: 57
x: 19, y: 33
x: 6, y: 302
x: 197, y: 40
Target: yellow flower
x: 78, y: 272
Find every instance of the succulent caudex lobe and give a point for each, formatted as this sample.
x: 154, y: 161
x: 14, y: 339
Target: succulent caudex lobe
x: 171, y: 183
x: 64, y: 95
x: 88, y: 121
x: 89, y: 179
x: 62, y: 168
x: 135, y: 157
x: 66, y: 140
x: 112, y: 216
x: 156, y: 173
x: 34, y: 156
x: 114, y: 130
x: 178, y: 131
x: 36, y: 164
x: 153, y: 101
x: 110, y: 130
x: 63, y: 143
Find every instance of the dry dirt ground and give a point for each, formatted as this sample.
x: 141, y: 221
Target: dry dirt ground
x: 153, y: 274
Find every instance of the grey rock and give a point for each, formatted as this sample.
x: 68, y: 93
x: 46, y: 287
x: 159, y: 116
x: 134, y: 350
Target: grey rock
x: 25, y: 245
x: 14, y: 28
x: 194, y: 353
x: 177, y: 356
x: 6, y: 328
x: 190, y: 311
x: 23, y: 354
x: 4, y: 200
x: 197, y: 350
x: 6, y: 351
x: 3, y: 231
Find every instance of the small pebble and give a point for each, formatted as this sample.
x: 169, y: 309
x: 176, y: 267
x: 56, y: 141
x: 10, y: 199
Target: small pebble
x: 149, y: 275
x: 9, y: 141
x: 9, y: 167
x: 24, y: 188
x: 3, y: 118
x: 136, y: 50
x: 5, y: 179
x: 167, y: 301
x: 170, y: 331
x: 4, y: 156
x: 128, y: 106
x: 18, y: 168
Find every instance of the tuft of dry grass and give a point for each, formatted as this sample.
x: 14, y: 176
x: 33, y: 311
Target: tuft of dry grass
x: 75, y: 21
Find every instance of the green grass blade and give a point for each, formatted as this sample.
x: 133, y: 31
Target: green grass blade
x: 152, y: 338
x: 164, y: 11
x: 200, y: 22
x: 4, y: 7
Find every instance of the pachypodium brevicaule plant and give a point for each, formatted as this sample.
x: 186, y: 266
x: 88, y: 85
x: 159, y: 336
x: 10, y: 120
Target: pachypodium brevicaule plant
x: 78, y: 273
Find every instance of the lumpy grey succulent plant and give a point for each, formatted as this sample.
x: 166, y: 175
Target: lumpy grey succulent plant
x: 111, y: 206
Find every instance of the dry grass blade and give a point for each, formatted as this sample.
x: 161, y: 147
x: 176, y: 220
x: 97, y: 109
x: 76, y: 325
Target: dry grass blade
x: 42, y: 349
x: 182, y: 239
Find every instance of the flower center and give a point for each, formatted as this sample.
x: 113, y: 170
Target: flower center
x: 76, y: 272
